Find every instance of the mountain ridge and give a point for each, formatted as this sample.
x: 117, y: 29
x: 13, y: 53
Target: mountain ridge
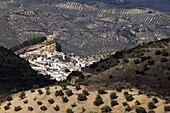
x: 16, y: 73
x: 146, y: 67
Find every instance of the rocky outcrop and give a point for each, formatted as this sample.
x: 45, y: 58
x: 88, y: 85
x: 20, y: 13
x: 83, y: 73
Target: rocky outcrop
x: 45, y: 46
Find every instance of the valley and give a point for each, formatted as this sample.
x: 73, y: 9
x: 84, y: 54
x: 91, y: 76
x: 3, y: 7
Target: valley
x: 83, y: 29
x: 84, y: 56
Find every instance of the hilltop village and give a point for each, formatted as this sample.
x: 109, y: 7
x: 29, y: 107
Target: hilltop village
x: 48, y: 59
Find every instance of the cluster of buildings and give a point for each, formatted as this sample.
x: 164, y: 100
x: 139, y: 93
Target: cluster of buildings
x: 54, y: 63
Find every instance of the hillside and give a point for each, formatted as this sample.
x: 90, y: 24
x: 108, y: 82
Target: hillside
x: 83, y: 28
x: 16, y: 73
x: 74, y: 100
x: 146, y: 67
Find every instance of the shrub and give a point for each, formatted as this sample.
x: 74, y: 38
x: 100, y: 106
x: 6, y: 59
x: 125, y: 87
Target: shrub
x: 155, y: 100
x: 128, y: 108
x: 144, y: 58
x: 56, y: 108
x: 164, y: 53
x: 151, y: 62
x: 93, y: 112
x: 137, y: 102
x: 126, y: 93
x: 167, y: 108
x: 40, y: 91
x: 65, y: 99
x: 13, y: 91
x: 151, y: 105
x: 39, y: 103
x: 64, y: 86
x: 139, y: 54
x: 43, y: 108
x: 35, y: 86
x: 145, y: 68
x: 83, y: 109
x: 30, y: 109
x: 168, y: 77
x: 124, y: 103
x: 69, y: 111
x: 22, y: 95
x: 167, y: 100
x: 114, y: 103
x: 51, y: 101
x: 125, y: 60
x: 151, y: 111
x: 88, y: 76
x: 69, y: 93
x: 136, y: 61
x: 59, y: 93
x: 32, y: 90
x: 142, y: 72
x: 164, y: 59
x: 9, y: 98
x: 118, y: 89
x: 79, y: 80
x: 106, y: 109
x: 35, y: 98
x: 6, y: 107
x: 110, y: 76
x: 129, y: 97
x: 157, y: 52
x: 8, y: 104
x: 78, y: 87
x: 81, y: 97
x: 85, y: 92
x: 98, y: 101
x: 137, y: 71
x: 67, y: 70
x: 140, y: 110
x: 113, y: 95
x: 101, y: 91
x: 73, y: 105
x: 140, y: 92
x: 17, y: 108
x: 47, y: 90
x: 25, y: 101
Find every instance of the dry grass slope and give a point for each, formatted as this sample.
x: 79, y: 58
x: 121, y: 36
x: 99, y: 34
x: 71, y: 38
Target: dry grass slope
x: 77, y: 107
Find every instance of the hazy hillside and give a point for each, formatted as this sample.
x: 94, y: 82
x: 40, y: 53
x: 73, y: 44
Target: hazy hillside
x: 146, y: 67
x: 84, y: 28
x: 16, y: 73
x: 162, y: 5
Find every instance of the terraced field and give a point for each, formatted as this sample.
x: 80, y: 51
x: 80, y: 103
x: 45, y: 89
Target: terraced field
x: 82, y: 28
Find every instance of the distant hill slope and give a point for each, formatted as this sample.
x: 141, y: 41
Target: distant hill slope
x: 15, y: 73
x: 83, y: 27
x: 146, y: 67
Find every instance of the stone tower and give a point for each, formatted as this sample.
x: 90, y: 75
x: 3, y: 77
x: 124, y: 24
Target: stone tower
x: 52, y: 37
